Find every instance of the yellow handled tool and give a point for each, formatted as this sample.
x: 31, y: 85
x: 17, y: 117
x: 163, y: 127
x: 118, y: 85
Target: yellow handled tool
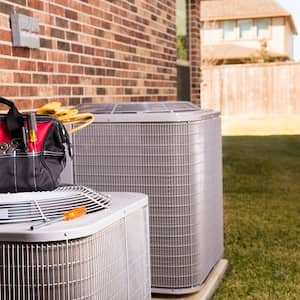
x: 68, y: 216
x: 74, y: 213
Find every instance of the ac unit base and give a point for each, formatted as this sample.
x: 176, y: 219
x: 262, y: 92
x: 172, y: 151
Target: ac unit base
x: 202, y: 292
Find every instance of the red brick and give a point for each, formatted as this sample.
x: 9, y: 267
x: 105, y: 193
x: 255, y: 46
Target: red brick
x: 73, y: 80
x: 58, y: 79
x: 45, y: 43
x: 64, y: 68
x: 38, y: 54
x: 9, y: 91
x: 74, y: 100
x: 71, y: 36
x: 64, y: 90
x: 5, y: 35
x: 22, y: 78
x: 61, y: 2
x: 86, y: 9
x: 6, y: 63
x: 45, y: 67
x: 21, y: 52
x: 6, y: 8
x: 26, y: 91
x: 89, y: 50
x: 21, y: 2
x: 24, y: 11
x: 24, y: 103
x: 37, y: 103
x: 56, y: 10
x: 35, y: 4
x: 70, y: 14
x: 86, y: 60
x: 63, y: 46
x: 27, y: 65
x: 75, y: 26
x: 57, y: 33
x: 73, y: 58
x: 77, y: 69
x: 77, y: 91
x: 5, y: 50
x: 60, y: 22
x: 40, y: 78
x: 77, y: 48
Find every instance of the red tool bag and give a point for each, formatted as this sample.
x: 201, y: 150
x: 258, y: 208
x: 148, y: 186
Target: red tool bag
x: 32, y: 151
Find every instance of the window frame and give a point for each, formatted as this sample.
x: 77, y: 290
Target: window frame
x: 234, y: 30
x: 181, y: 60
x: 268, y: 31
x: 252, y: 34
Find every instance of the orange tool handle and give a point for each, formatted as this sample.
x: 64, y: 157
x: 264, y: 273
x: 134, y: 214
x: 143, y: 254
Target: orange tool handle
x: 74, y: 213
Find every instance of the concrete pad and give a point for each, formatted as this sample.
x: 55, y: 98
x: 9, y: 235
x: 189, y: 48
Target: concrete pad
x: 208, y: 288
x: 261, y: 125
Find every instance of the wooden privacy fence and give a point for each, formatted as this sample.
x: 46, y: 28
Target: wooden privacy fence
x: 252, y: 89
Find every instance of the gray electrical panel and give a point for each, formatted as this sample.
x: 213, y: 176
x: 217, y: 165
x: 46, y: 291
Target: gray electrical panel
x: 25, y: 31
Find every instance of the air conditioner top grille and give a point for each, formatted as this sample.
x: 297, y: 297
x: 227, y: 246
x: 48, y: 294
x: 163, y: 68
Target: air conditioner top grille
x: 146, y: 111
x: 33, y: 206
x: 121, y: 204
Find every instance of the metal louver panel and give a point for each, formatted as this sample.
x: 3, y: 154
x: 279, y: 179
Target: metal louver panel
x: 24, y: 207
x: 179, y: 166
x: 138, y: 107
x: 112, y: 264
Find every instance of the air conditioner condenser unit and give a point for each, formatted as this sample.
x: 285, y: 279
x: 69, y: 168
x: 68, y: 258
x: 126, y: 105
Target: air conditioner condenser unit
x: 171, y: 151
x: 103, y: 255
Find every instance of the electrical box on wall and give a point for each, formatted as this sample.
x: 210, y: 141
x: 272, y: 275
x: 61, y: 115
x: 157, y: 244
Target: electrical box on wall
x: 25, y: 31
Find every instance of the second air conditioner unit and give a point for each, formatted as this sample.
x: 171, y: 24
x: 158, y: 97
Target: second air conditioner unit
x: 172, y: 152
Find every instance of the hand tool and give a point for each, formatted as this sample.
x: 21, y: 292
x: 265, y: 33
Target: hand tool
x: 68, y: 216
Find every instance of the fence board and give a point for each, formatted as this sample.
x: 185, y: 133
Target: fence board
x: 252, y: 89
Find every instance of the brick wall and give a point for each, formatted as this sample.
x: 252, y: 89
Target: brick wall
x: 91, y: 51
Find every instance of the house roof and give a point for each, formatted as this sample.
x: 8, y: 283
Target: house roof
x: 229, y: 51
x: 217, y: 10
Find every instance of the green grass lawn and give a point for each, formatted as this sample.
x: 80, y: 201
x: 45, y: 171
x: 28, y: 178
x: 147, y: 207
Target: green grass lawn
x: 262, y: 218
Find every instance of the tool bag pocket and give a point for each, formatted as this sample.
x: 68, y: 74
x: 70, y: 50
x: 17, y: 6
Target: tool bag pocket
x: 27, y: 166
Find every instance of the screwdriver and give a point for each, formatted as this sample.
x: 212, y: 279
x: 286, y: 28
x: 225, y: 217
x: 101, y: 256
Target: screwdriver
x: 68, y: 216
x: 32, y: 128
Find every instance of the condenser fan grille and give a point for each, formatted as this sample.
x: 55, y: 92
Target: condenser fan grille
x: 26, y: 207
x: 135, y: 108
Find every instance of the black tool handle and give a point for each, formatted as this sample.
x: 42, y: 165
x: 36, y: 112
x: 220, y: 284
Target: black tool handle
x: 15, y: 120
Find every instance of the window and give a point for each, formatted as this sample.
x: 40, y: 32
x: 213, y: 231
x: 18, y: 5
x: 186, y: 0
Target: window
x: 181, y: 30
x: 229, y: 30
x: 182, y: 45
x: 245, y: 29
x: 262, y: 26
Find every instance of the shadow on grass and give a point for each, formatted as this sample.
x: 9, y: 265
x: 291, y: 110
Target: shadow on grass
x: 262, y: 217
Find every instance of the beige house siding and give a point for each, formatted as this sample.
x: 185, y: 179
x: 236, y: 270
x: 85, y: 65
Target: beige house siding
x: 280, y: 39
x: 289, y: 41
x: 277, y: 41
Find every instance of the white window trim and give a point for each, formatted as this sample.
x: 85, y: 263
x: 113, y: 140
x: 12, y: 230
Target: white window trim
x: 269, y: 28
x: 234, y: 31
x: 252, y: 30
